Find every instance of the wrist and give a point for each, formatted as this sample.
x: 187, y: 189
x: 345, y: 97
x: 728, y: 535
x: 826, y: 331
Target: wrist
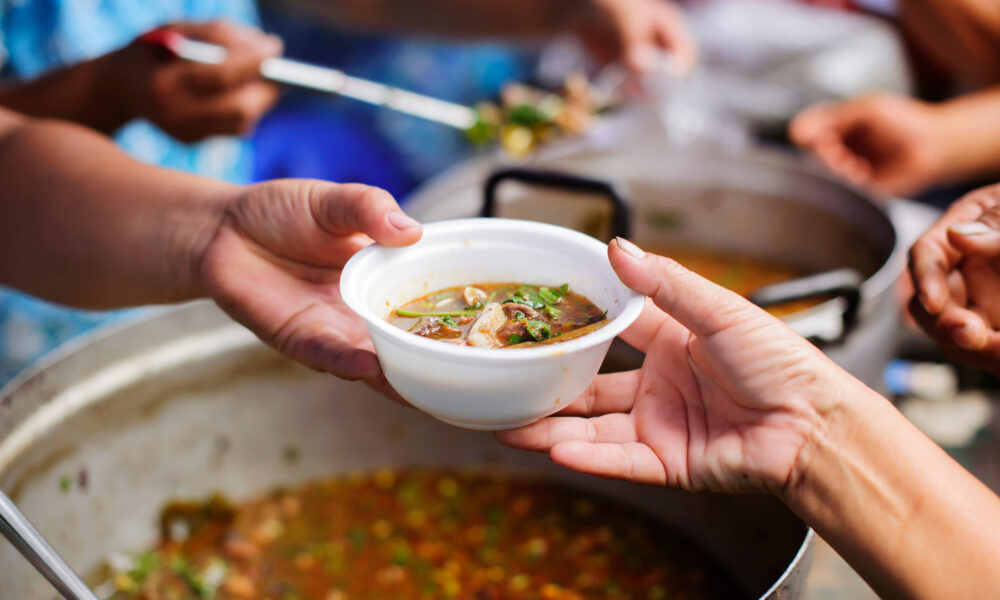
x: 835, y: 413
x: 192, y: 232
x: 110, y: 85
x: 959, y: 126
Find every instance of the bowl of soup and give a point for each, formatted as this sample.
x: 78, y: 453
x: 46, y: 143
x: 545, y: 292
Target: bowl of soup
x: 490, y: 323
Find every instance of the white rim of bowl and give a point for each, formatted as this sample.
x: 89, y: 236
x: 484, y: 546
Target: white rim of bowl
x: 630, y: 311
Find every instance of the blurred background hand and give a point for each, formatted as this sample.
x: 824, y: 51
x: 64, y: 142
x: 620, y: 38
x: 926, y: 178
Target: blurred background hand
x: 956, y: 272
x: 724, y: 401
x: 882, y: 141
x: 636, y: 32
x: 193, y: 101
x: 274, y: 265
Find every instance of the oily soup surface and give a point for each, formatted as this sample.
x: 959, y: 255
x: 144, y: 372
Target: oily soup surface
x: 500, y: 315
x: 420, y: 534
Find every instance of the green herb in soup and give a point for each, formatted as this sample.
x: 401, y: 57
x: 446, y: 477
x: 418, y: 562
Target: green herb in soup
x: 500, y: 315
x: 421, y: 535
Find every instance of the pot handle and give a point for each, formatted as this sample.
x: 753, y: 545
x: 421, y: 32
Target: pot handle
x: 843, y: 283
x: 562, y: 181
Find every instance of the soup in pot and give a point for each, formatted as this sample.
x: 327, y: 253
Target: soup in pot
x: 739, y: 273
x: 421, y: 534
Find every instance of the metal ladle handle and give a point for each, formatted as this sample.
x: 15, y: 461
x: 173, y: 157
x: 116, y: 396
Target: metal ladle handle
x: 22, y: 534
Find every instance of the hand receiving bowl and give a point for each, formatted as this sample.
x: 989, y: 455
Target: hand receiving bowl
x: 487, y: 388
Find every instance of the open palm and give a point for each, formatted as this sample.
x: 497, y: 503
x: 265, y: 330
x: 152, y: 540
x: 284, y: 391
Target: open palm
x: 724, y: 401
x: 274, y: 265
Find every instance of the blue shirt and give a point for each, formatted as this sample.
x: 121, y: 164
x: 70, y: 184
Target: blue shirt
x: 39, y: 35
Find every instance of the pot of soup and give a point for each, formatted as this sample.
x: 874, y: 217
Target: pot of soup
x: 815, y: 252
x: 177, y: 457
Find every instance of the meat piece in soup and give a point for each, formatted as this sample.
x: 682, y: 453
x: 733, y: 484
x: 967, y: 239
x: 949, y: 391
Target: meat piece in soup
x: 500, y: 315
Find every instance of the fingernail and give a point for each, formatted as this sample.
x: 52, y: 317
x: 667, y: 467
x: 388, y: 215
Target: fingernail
x: 973, y: 228
x: 401, y: 221
x: 961, y: 336
x: 630, y: 248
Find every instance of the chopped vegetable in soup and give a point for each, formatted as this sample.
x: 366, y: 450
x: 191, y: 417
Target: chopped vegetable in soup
x: 421, y: 535
x: 500, y: 315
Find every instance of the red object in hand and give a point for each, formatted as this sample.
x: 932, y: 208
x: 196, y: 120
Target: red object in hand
x: 163, y: 37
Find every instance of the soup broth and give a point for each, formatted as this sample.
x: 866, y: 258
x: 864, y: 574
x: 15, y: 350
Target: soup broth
x: 500, y: 315
x: 741, y: 274
x: 421, y: 534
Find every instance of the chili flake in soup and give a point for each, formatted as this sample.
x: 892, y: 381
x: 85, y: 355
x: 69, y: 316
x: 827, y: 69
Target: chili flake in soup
x: 500, y: 315
x: 422, y: 535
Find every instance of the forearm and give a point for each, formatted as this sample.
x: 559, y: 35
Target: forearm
x: 82, y: 224
x: 457, y: 18
x: 85, y: 93
x: 966, y: 134
x: 908, y: 518
x: 964, y: 35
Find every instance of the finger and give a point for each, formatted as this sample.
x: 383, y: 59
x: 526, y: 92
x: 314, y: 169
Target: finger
x: 609, y: 393
x: 641, y: 332
x: 240, y: 110
x: 837, y: 157
x: 322, y: 339
x: 980, y: 237
x: 673, y: 35
x: 542, y: 435
x: 347, y: 363
x: 632, y: 461
x: 935, y: 254
x: 382, y: 386
x: 982, y: 282
x: 963, y: 327
x: 245, y: 50
x: 696, y: 303
x: 235, y: 112
x: 810, y: 125
x: 988, y: 356
x: 957, y: 289
x: 347, y: 208
x: 929, y: 264
x: 670, y: 33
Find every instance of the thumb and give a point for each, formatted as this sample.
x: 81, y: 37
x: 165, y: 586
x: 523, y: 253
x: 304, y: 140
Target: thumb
x: 810, y: 125
x: 345, y: 209
x: 699, y: 305
x: 980, y: 237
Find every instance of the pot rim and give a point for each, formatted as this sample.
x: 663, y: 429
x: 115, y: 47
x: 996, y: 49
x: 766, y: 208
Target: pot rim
x: 236, y: 337
x: 471, y: 174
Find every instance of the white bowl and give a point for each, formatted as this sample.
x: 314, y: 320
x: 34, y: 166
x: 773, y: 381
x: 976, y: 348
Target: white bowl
x: 482, y: 388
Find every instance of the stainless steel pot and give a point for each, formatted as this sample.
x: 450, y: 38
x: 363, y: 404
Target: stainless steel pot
x: 764, y: 204
x: 96, y: 439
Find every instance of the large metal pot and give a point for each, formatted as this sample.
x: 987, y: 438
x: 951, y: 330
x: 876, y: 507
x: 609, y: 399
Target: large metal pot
x: 99, y: 437
x: 763, y: 204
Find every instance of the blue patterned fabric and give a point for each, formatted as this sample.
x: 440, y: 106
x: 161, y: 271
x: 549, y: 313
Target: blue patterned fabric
x: 38, y: 35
